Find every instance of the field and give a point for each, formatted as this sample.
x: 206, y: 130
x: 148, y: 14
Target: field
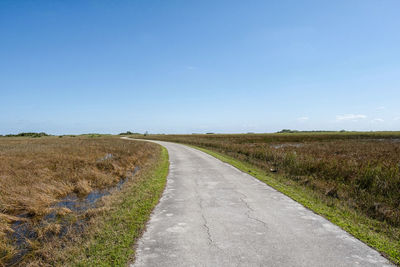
x: 356, y: 172
x: 52, y: 190
x: 84, y: 200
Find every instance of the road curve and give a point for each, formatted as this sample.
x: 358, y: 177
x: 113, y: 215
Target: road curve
x: 212, y: 214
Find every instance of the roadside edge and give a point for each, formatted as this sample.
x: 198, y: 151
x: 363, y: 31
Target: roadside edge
x: 352, y: 222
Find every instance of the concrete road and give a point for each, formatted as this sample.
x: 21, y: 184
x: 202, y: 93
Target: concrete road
x: 212, y: 214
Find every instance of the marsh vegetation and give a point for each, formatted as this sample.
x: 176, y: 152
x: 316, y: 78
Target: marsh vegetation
x: 53, y: 188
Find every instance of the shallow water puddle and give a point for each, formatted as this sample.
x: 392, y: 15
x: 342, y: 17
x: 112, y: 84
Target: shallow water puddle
x: 23, y: 230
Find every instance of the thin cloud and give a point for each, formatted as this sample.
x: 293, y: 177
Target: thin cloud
x: 302, y: 119
x: 397, y: 119
x: 191, y: 67
x: 350, y: 117
x: 381, y: 108
x: 377, y: 120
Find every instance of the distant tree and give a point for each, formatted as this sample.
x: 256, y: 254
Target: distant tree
x: 146, y: 133
x: 287, y: 131
x: 126, y: 133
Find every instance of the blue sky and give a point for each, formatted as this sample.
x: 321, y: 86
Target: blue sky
x: 199, y: 66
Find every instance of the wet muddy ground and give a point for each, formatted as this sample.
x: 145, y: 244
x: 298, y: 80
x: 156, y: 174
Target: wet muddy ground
x: 24, y: 231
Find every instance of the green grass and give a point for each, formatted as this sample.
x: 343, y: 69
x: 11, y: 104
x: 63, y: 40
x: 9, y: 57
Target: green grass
x: 114, y: 241
x: 366, y: 229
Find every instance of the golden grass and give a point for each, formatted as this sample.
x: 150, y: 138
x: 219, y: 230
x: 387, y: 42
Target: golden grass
x: 36, y: 172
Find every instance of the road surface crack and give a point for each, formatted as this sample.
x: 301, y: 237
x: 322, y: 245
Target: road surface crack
x: 205, y: 222
x: 249, y: 210
x: 210, y: 240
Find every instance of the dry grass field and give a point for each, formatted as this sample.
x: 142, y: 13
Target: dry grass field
x: 36, y: 173
x: 360, y: 169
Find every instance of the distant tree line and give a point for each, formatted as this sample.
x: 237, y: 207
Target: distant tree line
x: 29, y: 134
x: 315, y: 131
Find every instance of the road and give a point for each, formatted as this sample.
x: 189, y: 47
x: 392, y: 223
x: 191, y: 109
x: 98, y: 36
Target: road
x: 212, y: 214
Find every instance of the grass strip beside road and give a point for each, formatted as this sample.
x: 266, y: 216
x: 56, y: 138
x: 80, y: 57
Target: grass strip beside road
x: 358, y: 225
x: 113, y: 243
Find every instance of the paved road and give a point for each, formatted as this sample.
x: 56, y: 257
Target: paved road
x: 212, y: 214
